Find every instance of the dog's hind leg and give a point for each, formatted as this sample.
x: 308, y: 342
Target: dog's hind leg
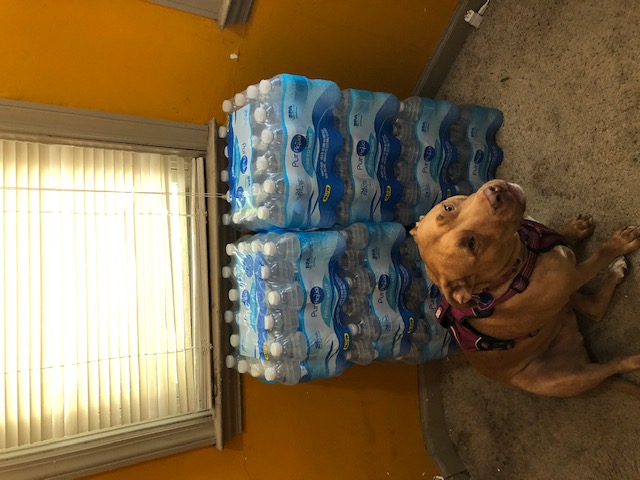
x: 565, y: 370
x: 595, y: 306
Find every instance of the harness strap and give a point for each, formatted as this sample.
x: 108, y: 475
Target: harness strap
x: 538, y: 239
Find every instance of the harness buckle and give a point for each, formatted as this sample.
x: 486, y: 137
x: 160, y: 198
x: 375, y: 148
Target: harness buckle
x: 520, y: 283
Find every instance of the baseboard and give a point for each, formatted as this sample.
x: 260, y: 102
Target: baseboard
x: 446, y: 51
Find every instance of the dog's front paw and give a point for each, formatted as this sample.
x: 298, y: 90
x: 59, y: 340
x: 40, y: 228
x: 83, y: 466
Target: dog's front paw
x: 579, y: 228
x: 624, y: 241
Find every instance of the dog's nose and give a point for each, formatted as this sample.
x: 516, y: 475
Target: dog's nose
x: 494, y: 194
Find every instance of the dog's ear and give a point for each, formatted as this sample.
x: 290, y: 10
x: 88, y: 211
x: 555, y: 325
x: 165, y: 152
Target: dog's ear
x: 459, y: 292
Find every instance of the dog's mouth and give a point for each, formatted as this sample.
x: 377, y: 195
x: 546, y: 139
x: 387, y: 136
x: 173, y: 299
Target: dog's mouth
x: 517, y: 191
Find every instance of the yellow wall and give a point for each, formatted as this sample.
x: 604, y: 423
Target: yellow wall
x: 130, y: 56
x: 133, y: 57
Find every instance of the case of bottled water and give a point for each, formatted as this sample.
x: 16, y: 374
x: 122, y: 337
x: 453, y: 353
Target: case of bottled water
x: 477, y: 155
x: 430, y: 340
x: 366, y: 161
x: 423, y: 127
x: 281, y: 148
x: 307, y: 305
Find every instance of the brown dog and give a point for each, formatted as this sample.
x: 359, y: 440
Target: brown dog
x: 473, y: 251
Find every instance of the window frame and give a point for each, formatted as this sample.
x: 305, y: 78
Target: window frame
x: 118, y: 447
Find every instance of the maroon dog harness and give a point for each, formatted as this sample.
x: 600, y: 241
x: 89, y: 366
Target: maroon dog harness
x: 538, y: 239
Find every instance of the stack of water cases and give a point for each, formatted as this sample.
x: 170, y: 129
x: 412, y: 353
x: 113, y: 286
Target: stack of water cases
x: 323, y: 174
x: 306, y: 305
x: 281, y: 148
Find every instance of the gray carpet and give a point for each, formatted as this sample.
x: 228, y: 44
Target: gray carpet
x: 566, y: 74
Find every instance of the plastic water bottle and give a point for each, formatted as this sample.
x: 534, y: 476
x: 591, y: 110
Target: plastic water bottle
x: 239, y: 100
x: 273, y: 212
x: 356, y: 236
x: 270, y: 88
x: 291, y: 345
x: 367, y: 326
x: 287, y: 247
x: 351, y: 259
x: 286, y: 296
x: 410, y: 193
x: 266, y: 164
x: 355, y: 305
x: 277, y: 271
x: 410, y: 108
x: 267, y: 114
x: 404, y: 214
x: 281, y: 321
x: 409, y: 250
x: 273, y: 136
x: 343, y: 214
x: 361, y: 352
x: 404, y: 130
x: 288, y: 373
x: 360, y: 281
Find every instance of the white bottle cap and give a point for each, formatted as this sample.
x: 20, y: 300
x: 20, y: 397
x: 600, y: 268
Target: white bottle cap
x: 265, y: 86
x: 255, y: 141
x: 269, y: 248
x: 226, y: 220
x: 233, y: 295
x: 252, y: 92
x: 239, y: 99
x: 256, y: 370
x: 276, y: 349
x: 263, y: 213
x: 230, y: 361
x: 260, y: 115
x: 226, y: 272
x: 256, y: 246
x: 226, y: 151
x: 229, y: 316
x: 269, y: 185
x: 403, y: 106
x: 227, y: 106
x: 256, y: 189
x: 224, y: 175
x: 353, y: 329
x: 231, y: 249
x: 268, y: 322
x: 261, y: 163
x: 243, y: 366
x: 222, y: 131
x: 264, y: 273
x: 266, y: 136
x: 244, y: 247
x: 270, y: 374
x: 349, y: 281
x: 234, y: 340
x: 273, y: 297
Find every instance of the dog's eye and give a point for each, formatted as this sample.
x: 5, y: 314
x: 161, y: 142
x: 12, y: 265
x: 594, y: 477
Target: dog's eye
x: 472, y: 243
x: 447, y: 207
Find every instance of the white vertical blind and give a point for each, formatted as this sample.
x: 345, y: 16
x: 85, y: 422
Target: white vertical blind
x: 97, y: 293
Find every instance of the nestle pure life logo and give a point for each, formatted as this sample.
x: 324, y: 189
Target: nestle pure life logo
x: 298, y: 143
x: 362, y: 148
x: 316, y: 295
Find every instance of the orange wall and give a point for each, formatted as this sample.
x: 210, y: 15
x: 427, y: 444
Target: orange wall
x: 134, y: 57
x: 130, y: 56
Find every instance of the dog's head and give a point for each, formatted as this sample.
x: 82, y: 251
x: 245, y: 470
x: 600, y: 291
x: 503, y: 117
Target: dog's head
x: 467, y: 241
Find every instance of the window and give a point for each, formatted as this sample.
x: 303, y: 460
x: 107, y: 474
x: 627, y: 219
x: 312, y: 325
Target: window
x: 106, y: 342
